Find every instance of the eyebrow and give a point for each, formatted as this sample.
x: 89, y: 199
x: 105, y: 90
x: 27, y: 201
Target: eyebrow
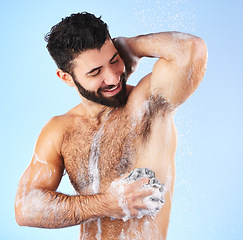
x: 97, y: 68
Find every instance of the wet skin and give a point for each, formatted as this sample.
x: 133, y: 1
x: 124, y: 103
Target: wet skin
x: 139, y: 134
x: 124, y: 145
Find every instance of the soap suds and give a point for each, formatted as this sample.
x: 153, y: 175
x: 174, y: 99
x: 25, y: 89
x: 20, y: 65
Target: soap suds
x: 153, y: 202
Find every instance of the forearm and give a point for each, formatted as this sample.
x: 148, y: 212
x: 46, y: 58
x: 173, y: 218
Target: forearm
x: 49, y: 209
x: 181, y: 65
x: 167, y: 45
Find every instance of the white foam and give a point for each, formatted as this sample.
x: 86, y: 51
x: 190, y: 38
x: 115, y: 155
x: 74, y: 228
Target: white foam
x: 153, y: 202
x: 153, y: 206
x: 122, y: 235
x: 93, y: 161
x: 39, y: 159
x: 181, y: 36
x: 118, y: 192
x: 98, y: 234
x: 94, y: 170
x: 34, y: 204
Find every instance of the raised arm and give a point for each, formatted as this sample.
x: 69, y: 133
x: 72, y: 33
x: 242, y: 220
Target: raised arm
x: 181, y: 65
x: 38, y: 204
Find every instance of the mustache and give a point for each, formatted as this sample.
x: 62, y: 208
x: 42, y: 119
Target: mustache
x: 108, y: 87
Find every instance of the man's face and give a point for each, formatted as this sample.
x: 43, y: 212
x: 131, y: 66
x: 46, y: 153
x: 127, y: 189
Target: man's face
x: 100, y: 76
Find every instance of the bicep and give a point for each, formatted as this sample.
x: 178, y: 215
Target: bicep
x: 46, y: 167
x: 43, y: 173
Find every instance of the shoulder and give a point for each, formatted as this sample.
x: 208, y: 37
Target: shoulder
x: 61, y: 122
x: 58, y: 124
x: 54, y: 130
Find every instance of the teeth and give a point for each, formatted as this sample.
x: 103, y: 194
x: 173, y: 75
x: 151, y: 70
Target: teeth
x: 112, y: 89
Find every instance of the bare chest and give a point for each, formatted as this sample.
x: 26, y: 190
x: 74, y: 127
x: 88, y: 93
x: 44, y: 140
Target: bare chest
x: 95, y: 156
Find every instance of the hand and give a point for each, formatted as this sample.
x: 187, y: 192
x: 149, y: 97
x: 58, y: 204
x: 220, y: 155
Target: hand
x: 135, y: 195
x: 126, y: 198
x: 130, y: 60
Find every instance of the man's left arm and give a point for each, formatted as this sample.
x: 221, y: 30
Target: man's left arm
x: 180, y: 67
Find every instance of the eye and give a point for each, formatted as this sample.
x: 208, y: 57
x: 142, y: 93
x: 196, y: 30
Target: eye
x: 113, y: 62
x: 95, y: 73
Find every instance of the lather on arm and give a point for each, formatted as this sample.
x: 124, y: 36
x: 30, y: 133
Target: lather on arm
x: 39, y: 205
x: 180, y: 67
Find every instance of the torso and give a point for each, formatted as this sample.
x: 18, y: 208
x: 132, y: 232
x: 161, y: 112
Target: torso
x: 95, y: 153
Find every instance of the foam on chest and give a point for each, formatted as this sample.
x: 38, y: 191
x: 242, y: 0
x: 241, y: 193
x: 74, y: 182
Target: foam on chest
x: 95, y: 156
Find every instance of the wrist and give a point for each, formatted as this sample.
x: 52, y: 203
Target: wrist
x: 136, y: 46
x: 125, y: 47
x: 104, y: 205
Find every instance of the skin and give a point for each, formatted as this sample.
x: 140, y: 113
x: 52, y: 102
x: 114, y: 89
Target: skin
x: 139, y: 134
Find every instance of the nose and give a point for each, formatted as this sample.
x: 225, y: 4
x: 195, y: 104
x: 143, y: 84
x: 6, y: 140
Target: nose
x: 111, y: 77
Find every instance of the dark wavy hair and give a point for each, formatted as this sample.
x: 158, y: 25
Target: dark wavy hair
x: 73, y: 35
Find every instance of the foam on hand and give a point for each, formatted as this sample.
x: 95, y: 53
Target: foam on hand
x: 153, y: 202
x: 118, y: 192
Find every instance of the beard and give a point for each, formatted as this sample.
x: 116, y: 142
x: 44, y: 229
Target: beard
x: 118, y: 100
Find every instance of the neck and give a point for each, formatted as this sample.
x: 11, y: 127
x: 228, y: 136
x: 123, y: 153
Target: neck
x: 94, y: 110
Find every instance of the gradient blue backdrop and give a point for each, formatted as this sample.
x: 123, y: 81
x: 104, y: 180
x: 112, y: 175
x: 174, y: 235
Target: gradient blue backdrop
x: 208, y: 195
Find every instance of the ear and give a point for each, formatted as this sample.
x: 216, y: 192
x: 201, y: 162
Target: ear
x: 66, y: 77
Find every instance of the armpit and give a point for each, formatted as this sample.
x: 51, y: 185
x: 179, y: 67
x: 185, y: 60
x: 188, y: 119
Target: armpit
x: 155, y: 106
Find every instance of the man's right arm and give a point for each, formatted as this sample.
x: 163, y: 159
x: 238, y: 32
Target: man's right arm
x: 37, y: 202
x: 39, y: 205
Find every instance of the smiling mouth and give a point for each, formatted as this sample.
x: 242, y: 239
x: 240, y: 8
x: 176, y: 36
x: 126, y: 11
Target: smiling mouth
x: 112, y: 89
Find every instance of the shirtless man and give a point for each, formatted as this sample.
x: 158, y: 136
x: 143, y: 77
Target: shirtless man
x: 114, y: 130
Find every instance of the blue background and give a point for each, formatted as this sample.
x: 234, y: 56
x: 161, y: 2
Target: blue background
x: 208, y: 194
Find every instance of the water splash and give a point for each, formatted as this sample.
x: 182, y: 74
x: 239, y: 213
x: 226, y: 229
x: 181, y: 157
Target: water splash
x: 165, y: 15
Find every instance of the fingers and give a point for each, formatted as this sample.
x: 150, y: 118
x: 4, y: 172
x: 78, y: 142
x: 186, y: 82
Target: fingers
x: 130, y: 60
x: 137, y: 194
x: 137, y: 184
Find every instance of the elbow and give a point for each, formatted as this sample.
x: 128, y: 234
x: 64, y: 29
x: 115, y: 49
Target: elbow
x: 19, y: 215
x: 22, y: 220
x: 19, y: 221
x: 200, y: 52
x: 198, y: 59
x: 195, y: 54
x: 19, y: 218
